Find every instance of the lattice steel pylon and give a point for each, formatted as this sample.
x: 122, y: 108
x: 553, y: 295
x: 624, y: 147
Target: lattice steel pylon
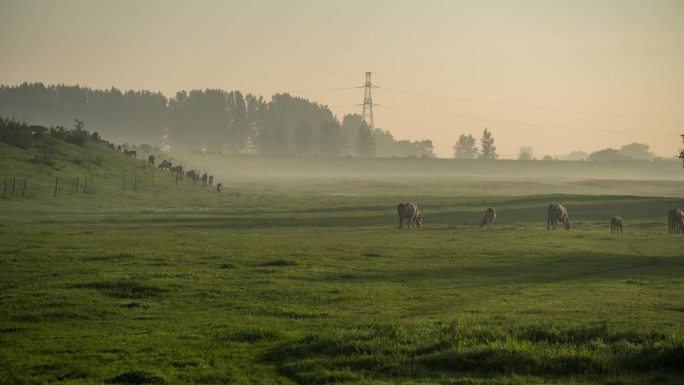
x: 367, y: 115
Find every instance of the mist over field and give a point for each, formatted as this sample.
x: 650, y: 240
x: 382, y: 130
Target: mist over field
x: 363, y: 192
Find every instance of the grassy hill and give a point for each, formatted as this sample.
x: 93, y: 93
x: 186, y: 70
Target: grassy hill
x: 305, y: 279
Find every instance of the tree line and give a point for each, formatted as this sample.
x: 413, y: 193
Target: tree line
x: 466, y: 148
x: 210, y: 119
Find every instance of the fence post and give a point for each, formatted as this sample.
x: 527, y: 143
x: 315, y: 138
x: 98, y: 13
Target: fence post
x: 176, y: 179
x: 91, y: 184
x: 56, y: 181
x: 85, y: 184
x: 14, y: 182
x: 23, y: 190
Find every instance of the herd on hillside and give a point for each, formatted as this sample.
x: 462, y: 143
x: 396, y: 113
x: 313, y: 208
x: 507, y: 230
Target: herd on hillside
x: 165, y: 164
x: 556, y: 213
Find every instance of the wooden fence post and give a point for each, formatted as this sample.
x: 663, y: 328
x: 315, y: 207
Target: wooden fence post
x: 56, y: 181
x: 14, y: 182
x: 176, y: 179
x: 85, y: 184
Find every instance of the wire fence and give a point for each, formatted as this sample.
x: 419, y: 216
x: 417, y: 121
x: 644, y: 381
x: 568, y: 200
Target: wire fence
x: 27, y: 186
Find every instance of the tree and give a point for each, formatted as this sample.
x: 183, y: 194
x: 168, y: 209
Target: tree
x: 238, y: 131
x: 304, y: 139
x: 425, y: 148
x: 525, y: 153
x: 488, y: 150
x: 637, y: 151
x: 547, y: 158
x: 465, y: 148
x: 365, y: 141
x: 607, y: 155
x: 331, y: 140
x: 576, y: 155
x: 681, y: 152
x: 350, y: 126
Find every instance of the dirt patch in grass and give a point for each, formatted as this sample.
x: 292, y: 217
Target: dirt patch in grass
x: 136, y: 377
x: 279, y: 263
x: 125, y: 288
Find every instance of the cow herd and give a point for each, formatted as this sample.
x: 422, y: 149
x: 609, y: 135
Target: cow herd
x: 556, y: 213
x: 193, y: 175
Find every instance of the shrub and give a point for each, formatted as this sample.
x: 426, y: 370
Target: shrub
x: 78, y: 137
x: 15, y: 133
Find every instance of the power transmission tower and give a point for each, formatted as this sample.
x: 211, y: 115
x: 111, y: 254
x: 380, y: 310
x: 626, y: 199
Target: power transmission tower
x: 368, y: 103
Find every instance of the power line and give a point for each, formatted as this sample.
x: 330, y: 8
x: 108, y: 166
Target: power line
x: 441, y: 81
x: 521, y: 123
x: 527, y: 105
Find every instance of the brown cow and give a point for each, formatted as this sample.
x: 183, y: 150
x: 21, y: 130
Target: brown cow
x: 557, y: 213
x: 408, y: 211
x: 675, y: 221
x: 616, y: 224
x: 489, y: 217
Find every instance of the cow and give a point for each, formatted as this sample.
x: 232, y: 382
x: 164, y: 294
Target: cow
x: 488, y: 220
x: 178, y: 169
x: 219, y: 187
x: 557, y: 213
x: 165, y: 165
x: 408, y: 211
x: 150, y: 160
x: 204, y: 179
x: 616, y: 224
x: 675, y: 221
x: 211, y: 180
x: 130, y: 153
x: 193, y: 175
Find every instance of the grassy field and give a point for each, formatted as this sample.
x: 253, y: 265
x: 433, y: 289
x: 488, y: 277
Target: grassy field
x: 304, y: 278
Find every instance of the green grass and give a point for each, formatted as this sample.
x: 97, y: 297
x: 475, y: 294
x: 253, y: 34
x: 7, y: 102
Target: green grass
x: 307, y: 280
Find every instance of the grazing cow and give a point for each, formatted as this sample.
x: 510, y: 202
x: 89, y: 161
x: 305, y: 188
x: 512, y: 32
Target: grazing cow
x: 130, y: 153
x: 204, y: 179
x: 178, y: 169
x: 675, y: 221
x: 193, y: 175
x: 616, y: 224
x: 95, y: 137
x: 211, y: 180
x: 557, y: 213
x: 150, y: 160
x: 165, y: 165
x: 118, y: 148
x: 489, y: 217
x: 219, y: 187
x: 408, y: 211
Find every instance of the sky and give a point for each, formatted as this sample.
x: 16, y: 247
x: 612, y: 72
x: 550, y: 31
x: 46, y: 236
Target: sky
x: 554, y: 75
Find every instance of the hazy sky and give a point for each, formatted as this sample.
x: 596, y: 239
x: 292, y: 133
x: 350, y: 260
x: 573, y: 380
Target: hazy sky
x: 554, y: 75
